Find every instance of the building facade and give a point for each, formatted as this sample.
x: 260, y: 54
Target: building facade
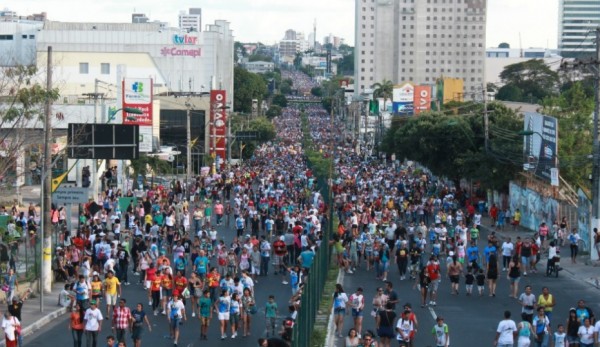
x: 191, y: 21
x: 420, y: 42
x: 577, y: 20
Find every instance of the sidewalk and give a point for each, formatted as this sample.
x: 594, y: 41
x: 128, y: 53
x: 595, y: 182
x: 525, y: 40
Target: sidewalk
x: 584, y: 270
x: 34, y: 320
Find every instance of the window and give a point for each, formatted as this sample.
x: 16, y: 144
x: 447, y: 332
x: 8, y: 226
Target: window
x: 105, y: 68
x: 6, y: 37
x: 23, y: 36
x: 84, y: 68
x: 32, y: 36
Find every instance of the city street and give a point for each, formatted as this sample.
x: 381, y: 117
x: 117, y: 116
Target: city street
x: 190, y: 330
x: 470, y: 318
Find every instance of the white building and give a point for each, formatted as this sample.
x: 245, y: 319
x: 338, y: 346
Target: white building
x: 176, y: 60
x: 499, y: 58
x: 420, y: 41
x: 191, y: 21
x: 578, y: 19
x: 259, y: 66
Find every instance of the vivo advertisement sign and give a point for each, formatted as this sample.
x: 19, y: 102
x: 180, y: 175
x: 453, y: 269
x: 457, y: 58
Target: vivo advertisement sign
x: 540, y: 148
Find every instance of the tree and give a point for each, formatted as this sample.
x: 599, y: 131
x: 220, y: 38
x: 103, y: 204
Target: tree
x: 145, y: 165
x: 573, y: 109
x: 247, y: 86
x: 529, y: 81
x: 260, y: 57
x: 23, y: 99
x: 453, y: 146
x: 383, y: 90
x: 317, y: 91
x: 504, y: 45
x: 345, y: 66
x: 266, y: 129
x: 274, y: 111
x: 279, y: 100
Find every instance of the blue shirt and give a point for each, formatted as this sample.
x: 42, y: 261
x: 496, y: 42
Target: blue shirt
x: 307, y: 258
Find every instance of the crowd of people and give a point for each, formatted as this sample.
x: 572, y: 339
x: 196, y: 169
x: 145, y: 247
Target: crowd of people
x: 273, y: 217
x: 301, y: 81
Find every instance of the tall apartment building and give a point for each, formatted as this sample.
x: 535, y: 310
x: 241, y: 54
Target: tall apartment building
x: 420, y: 41
x: 577, y: 20
x: 191, y: 21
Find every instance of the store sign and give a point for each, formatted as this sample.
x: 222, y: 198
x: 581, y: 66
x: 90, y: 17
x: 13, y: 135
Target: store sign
x: 422, y: 99
x: 218, y: 122
x: 185, y: 40
x: 180, y: 52
x: 137, y: 93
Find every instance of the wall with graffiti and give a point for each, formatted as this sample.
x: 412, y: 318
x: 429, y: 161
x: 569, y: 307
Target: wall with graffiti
x: 535, y: 208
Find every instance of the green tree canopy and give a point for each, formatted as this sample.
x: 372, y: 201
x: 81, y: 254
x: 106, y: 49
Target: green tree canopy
x: 266, y: 129
x: 247, y: 86
x: 317, y: 91
x: 453, y: 145
x: 274, y: 111
x: 529, y: 81
x: 279, y: 100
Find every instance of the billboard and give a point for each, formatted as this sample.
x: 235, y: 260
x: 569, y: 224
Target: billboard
x: 403, y: 97
x: 137, y: 93
x: 218, y: 123
x: 103, y: 141
x: 540, y: 148
x: 422, y: 99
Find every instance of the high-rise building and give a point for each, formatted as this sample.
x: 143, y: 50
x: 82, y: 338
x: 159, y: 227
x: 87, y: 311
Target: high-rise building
x: 577, y: 21
x: 420, y: 42
x: 191, y: 21
x: 139, y: 18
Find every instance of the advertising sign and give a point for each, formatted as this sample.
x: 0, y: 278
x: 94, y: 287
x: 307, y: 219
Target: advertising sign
x: 540, y: 148
x: 145, y: 139
x: 218, y: 123
x: 422, y: 99
x: 137, y: 93
x: 403, y: 98
x: 73, y: 195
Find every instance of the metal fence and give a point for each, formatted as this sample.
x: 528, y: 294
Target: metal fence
x: 314, y: 285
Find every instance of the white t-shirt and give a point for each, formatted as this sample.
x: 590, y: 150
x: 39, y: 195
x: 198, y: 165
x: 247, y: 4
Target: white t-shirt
x: 340, y: 300
x: 406, y: 325
x: 586, y: 335
x: 174, y: 309
x: 507, y: 248
x: 506, y: 329
x: 93, y: 319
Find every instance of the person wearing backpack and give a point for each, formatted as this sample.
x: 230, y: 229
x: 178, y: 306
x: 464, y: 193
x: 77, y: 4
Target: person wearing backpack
x: 524, y: 332
x: 541, y: 326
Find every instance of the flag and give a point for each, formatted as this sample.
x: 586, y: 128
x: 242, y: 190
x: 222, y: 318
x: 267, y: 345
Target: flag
x: 57, y: 181
x: 373, y: 106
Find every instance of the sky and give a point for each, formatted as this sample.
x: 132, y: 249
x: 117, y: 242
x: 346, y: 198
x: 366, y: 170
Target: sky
x: 267, y: 20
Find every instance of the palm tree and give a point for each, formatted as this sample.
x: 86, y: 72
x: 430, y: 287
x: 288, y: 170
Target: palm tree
x: 383, y: 90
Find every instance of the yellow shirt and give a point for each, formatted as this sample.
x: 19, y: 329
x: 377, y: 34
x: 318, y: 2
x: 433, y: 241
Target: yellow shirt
x: 111, y: 285
x: 543, y: 302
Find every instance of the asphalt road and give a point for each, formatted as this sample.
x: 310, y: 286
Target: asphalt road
x: 190, y: 331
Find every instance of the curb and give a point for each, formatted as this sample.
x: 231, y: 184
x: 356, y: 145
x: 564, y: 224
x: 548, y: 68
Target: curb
x: 330, y: 339
x: 40, y: 323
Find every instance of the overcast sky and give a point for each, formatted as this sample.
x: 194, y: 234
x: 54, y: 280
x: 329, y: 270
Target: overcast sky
x: 267, y: 20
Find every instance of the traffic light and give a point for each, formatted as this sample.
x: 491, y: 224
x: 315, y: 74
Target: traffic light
x: 85, y: 177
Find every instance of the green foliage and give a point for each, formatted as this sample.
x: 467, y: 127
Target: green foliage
x: 573, y: 109
x: 533, y: 78
x: 345, y: 66
x: 317, y: 91
x: 274, y: 111
x: 279, y: 100
x: 146, y: 165
x: 383, y: 89
x: 327, y: 103
x: 453, y: 146
x: 247, y: 86
x: 266, y: 129
x: 260, y: 57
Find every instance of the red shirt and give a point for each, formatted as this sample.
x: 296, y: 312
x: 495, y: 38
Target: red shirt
x: 279, y: 248
x: 433, y: 269
x: 180, y: 283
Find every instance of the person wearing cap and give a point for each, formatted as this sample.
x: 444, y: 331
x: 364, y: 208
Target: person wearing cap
x: 93, y: 324
x: 440, y: 333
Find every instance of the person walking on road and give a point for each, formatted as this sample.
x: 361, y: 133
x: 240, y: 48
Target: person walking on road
x: 76, y: 325
x: 514, y: 275
x: 506, y: 332
x: 138, y: 318
x: 93, y: 324
x: 223, y: 306
x: 574, y: 245
x: 176, y: 312
x: 440, y: 333
x: 357, y: 301
x: 385, y: 325
x: 271, y: 312
x: 524, y: 332
x: 492, y: 274
x: 121, y: 320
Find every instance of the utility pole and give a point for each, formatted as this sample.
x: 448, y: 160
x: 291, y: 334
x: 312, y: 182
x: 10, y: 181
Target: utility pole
x: 596, y: 150
x: 45, y: 235
x: 486, y: 119
x: 188, y: 171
